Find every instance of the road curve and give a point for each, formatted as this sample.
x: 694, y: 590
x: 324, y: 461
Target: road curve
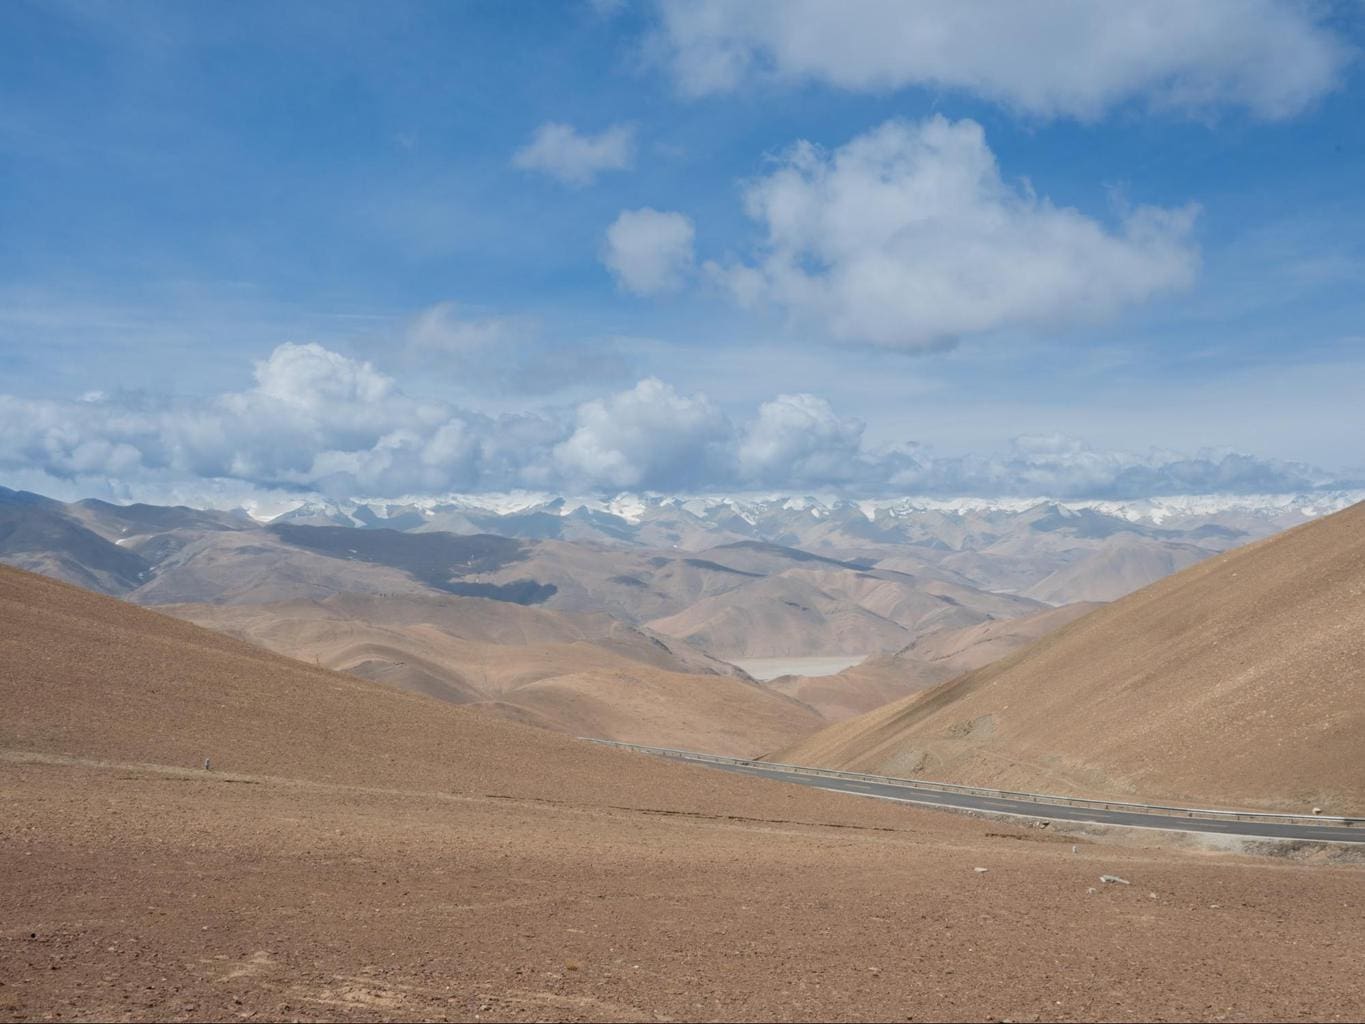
x: 1052, y: 812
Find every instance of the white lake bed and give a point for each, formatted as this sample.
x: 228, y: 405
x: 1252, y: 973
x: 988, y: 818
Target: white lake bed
x: 823, y: 665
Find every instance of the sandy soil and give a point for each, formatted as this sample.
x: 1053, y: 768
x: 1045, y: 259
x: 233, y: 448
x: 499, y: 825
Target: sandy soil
x: 133, y: 893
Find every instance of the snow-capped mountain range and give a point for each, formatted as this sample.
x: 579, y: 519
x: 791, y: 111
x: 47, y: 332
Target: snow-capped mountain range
x: 632, y: 509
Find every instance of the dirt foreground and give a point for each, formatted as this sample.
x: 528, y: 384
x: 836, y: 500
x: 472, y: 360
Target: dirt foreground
x: 136, y: 893
x: 358, y: 853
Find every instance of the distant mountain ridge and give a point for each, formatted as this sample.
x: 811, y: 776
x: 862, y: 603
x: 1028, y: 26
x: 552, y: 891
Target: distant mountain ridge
x: 734, y: 576
x: 631, y: 509
x: 1057, y: 552
x: 477, y: 613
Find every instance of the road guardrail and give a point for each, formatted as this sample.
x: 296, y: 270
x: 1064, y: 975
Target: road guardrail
x: 1211, y: 814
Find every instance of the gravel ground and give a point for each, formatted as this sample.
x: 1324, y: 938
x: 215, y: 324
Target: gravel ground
x: 134, y: 893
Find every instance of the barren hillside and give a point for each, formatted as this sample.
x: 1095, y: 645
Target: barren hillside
x: 88, y: 675
x: 832, y: 610
x: 1121, y: 564
x: 586, y: 675
x: 934, y: 658
x: 1240, y: 680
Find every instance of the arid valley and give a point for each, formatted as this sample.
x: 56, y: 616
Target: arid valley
x: 682, y: 510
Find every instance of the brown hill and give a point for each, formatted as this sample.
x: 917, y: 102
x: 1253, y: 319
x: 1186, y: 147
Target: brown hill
x: 832, y: 610
x: 83, y: 674
x: 359, y: 853
x: 626, y: 582
x: 254, y: 566
x: 930, y: 660
x: 36, y: 535
x: 1121, y: 564
x: 781, y: 615
x: 1240, y: 680
x: 587, y: 675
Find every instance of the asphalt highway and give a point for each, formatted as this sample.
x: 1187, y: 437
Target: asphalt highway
x: 1055, y: 812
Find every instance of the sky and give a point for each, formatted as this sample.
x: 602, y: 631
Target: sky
x: 366, y: 250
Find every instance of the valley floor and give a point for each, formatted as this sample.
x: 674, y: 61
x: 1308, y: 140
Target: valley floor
x: 138, y: 891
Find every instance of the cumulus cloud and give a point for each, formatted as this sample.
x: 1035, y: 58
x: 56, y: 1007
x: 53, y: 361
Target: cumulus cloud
x: 312, y: 378
x: 908, y: 237
x: 314, y: 418
x: 309, y: 406
x: 1047, y: 58
x: 649, y: 251
x: 318, y: 421
x: 798, y: 439
x: 574, y: 158
x: 649, y: 436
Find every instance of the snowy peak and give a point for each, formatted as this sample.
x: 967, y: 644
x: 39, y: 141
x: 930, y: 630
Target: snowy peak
x: 635, y: 508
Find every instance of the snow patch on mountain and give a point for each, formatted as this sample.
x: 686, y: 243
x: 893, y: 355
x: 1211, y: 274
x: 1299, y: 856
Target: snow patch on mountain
x: 635, y: 508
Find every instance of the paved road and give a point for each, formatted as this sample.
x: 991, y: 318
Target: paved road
x: 1056, y: 812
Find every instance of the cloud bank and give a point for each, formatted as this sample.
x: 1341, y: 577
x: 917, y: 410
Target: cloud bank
x: 1046, y: 58
x: 908, y: 237
x: 318, y: 421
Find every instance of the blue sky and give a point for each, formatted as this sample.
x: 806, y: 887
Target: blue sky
x: 1163, y: 255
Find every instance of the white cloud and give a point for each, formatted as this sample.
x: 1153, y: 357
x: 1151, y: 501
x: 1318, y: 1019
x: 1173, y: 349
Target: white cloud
x: 318, y: 421
x: 1042, y: 57
x: 314, y: 418
x: 798, y: 439
x: 314, y: 378
x: 562, y: 152
x: 649, y: 436
x: 908, y: 237
x: 649, y: 251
